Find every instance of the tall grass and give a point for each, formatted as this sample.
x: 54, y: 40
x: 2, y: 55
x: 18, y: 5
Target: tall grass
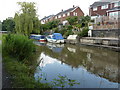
x: 18, y: 46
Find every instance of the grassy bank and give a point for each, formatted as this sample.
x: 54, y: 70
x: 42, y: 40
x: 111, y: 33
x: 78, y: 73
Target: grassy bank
x: 19, y: 58
x: 22, y: 75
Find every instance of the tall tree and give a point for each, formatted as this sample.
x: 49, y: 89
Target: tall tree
x: 8, y: 25
x: 26, y: 20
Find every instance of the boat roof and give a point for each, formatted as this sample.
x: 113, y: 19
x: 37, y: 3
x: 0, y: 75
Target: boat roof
x: 36, y: 35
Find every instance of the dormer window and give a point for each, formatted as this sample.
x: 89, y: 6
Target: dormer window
x: 95, y: 9
x: 104, y: 7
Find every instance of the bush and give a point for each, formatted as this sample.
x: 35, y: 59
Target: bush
x: 18, y: 46
x: 69, y: 32
x: 84, y: 32
x: 63, y: 31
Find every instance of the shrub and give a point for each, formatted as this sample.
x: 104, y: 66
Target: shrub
x: 84, y: 32
x: 63, y: 31
x: 69, y: 32
x: 18, y: 46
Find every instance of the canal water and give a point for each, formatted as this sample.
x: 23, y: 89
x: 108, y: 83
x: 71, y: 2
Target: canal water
x: 92, y: 67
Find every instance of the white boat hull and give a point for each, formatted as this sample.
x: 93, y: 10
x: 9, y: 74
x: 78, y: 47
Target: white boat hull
x: 55, y: 41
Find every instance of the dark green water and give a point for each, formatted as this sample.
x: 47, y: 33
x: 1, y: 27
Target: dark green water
x: 90, y: 66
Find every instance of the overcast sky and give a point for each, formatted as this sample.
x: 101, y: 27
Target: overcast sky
x: 44, y: 7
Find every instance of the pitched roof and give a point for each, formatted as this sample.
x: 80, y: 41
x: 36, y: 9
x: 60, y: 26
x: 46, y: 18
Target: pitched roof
x: 95, y: 4
x: 65, y: 11
x: 47, y: 17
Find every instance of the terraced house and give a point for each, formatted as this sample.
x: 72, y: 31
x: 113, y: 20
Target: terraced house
x: 74, y: 11
x: 105, y: 8
x: 106, y: 15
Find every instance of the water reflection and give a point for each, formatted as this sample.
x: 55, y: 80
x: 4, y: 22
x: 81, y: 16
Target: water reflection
x: 55, y: 47
x: 92, y: 67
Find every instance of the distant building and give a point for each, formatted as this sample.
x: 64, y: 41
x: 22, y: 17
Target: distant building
x: 106, y: 16
x: 103, y: 8
x: 46, y: 19
x: 74, y: 11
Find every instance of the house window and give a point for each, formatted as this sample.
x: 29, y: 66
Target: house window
x: 68, y: 14
x: 116, y: 4
x: 56, y: 17
x: 95, y: 9
x: 104, y: 7
x: 59, y: 16
x: 115, y: 14
x: 63, y: 15
x: 74, y: 13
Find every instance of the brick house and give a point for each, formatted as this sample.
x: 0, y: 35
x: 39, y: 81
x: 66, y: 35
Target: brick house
x: 109, y: 8
x: 74, y: 11
x: 46, y: 19
x: 106, y: 18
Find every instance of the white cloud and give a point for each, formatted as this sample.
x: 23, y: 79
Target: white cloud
x: 45, y: 7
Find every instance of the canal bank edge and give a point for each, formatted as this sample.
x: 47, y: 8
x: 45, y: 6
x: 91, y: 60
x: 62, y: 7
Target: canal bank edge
x: 109, y: 43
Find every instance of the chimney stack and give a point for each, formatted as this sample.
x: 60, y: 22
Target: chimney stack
x: 73, y: 5
x: 62, y: 10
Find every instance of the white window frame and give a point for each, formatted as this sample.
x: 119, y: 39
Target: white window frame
x: 59, y: 16
x: 64, y: 15
x: 55, y: 17
x: 95, y: 8
x: 115, y: 4
x: 74, y: 14
x: 104, y: 7
x: 68, y: 14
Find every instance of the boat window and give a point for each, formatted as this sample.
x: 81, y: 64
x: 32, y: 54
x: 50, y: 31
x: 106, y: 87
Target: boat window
x: 49, y: 37
x: 53, y: 37
x: 42, y: 37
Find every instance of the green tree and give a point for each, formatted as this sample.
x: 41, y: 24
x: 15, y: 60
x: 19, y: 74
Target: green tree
x: 84, y: 21
x: 72, y: 20
x: 26, y: 20
x: 0, y: 25
x: 8, y: 25
x: 53, y: 24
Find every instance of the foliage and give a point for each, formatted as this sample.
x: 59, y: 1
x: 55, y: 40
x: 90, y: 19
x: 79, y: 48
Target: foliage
x: 63, y: 31
x: 62, y: 81
x: 18, y: 46
x: 0, y: 25
x: 84, y: 21
x: 8, y: 25
x: 55, y: 30
x: 69, y: 27
x: 26, y: 20
x: 72, y: 20
x: 84, y: 32
x: 69, y: 32
x: 21, y: 74
x: 53, y: 24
